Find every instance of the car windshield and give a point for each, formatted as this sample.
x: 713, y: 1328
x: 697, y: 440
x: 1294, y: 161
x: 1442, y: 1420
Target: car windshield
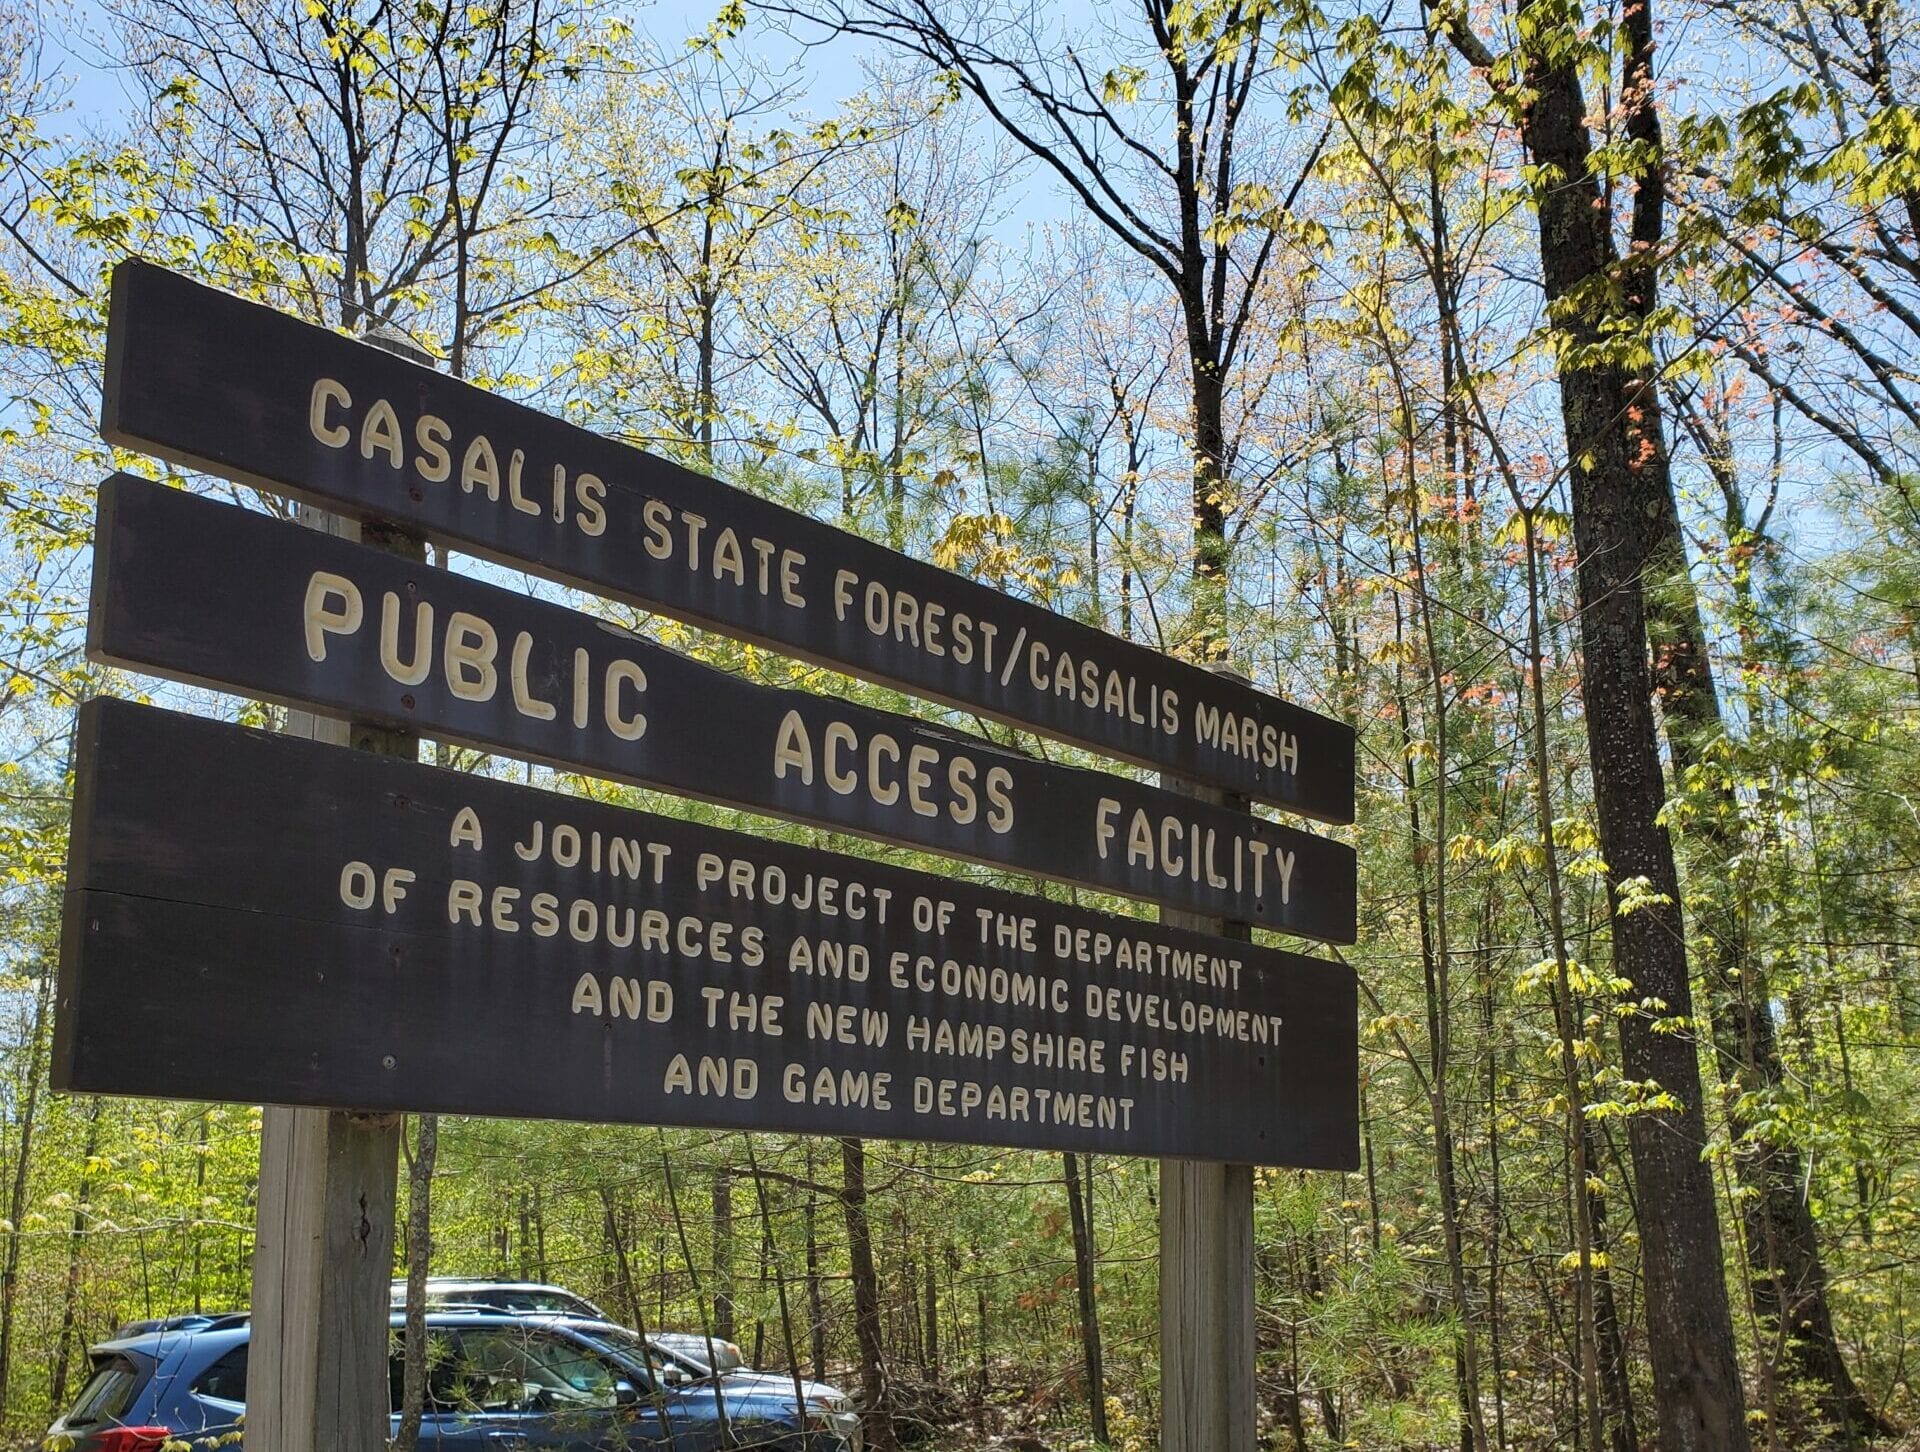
x: 501, y: 1369
x: 631, y: 1346
x: 107, y: 1392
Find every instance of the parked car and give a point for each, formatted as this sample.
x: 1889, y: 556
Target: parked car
x: 700, y: 1354
x: 517, y: 1296
x: 496, y: 1380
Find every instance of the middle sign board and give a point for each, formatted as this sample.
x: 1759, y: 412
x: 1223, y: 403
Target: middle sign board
x: 215, y: 595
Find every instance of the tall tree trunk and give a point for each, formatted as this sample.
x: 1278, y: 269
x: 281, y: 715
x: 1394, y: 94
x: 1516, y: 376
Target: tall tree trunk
x: 1077, y: 1211
x: 17, y: 1202
x: 1616, y: 1384
x: 930, y: 1295
x: 1210, y: 549
x: 877, y: 1403
x: 1619, y: 484
x: 906, y: 1325
x: 760, y: 1280
x: 980, y: 1301
x: 199, y: 1198
x: 1491, y: 1235
x: 816, y: 1300
x: 723, y: 1254
x: 1618, y: 467
x: 1566, y: 1022
x: 525, y: 1243
x: 70, y: 1295
x: 1690, y: 1330
x: 413, y: 1374
x: 1788, y: 1279
x: 1434, y: 957
x: 539, y: 1235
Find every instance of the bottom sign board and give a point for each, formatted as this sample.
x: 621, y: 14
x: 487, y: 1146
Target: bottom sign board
x: 262, y: 919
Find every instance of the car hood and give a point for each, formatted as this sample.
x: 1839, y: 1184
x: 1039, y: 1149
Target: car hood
x: 761, y: 1391
x: 779, y: 1381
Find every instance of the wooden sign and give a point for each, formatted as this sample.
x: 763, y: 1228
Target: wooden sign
x: 260, y: 919
x: 216, y: 595
x: 208, y: 381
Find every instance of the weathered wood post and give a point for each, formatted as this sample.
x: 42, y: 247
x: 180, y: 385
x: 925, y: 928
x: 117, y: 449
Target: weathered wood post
x: 1206, y: 1261
x: 317, y: 1378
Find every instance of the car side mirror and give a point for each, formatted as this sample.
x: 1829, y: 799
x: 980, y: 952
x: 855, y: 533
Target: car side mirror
x: 626, y: 1394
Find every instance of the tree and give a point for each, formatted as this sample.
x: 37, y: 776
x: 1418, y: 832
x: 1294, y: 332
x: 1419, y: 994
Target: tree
x: 1169, y: 148
x: 1801, y: 215
x: 1601, y: 306
x: 1787, y: 1275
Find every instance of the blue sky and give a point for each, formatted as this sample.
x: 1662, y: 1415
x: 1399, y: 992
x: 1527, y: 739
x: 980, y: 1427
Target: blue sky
x: 75, y: 30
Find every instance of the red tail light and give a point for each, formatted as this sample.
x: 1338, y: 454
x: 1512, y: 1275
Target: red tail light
x: 132, y: 1439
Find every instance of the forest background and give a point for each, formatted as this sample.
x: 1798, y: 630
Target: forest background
x: 1529, y: 383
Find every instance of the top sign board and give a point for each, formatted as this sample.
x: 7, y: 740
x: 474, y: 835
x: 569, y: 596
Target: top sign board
x: 211, y: 382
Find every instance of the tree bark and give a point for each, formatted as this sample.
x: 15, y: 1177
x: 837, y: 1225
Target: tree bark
x: 70, y: 1296
x: 1616, y: 1383
x: 816, y: 1301
x: 1788, y: 1280
x: 1077, y: 1209
x: 1211, y: 552
x: 980, y: 1302
x: 1435, y: 970
x: 877, y: 1409
x: 22, y: 1168
x: 413, y: 1377
x: 930, y: 1294
x: 723, y: 1254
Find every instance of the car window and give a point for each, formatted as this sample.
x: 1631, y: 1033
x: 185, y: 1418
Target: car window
x: 107, y: 1392
x: 226, y: 1379
x: 441, y: 1380
x: 514, y: 1369
x: 629, y: 1346
x: 556, y: 1303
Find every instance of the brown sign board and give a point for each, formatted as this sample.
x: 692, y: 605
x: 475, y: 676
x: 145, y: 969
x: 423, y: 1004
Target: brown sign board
x: 212, y: 382
x: 216, y: 595
x: 261, y: 919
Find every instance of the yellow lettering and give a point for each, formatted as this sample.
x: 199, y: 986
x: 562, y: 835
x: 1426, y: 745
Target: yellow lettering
x: 327, y: 391
x: 333, y: 608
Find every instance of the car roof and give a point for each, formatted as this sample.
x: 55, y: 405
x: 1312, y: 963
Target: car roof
x: 228, y: 1331
x: 234, y: 1328
x: 445, y: 1283
x: 479, y: 1316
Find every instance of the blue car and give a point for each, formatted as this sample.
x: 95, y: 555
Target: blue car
x: 496, y: 1382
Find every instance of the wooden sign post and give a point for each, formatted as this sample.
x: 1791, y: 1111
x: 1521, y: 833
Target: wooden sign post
x: 1206, y: 1269
x: 317, y: 1379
